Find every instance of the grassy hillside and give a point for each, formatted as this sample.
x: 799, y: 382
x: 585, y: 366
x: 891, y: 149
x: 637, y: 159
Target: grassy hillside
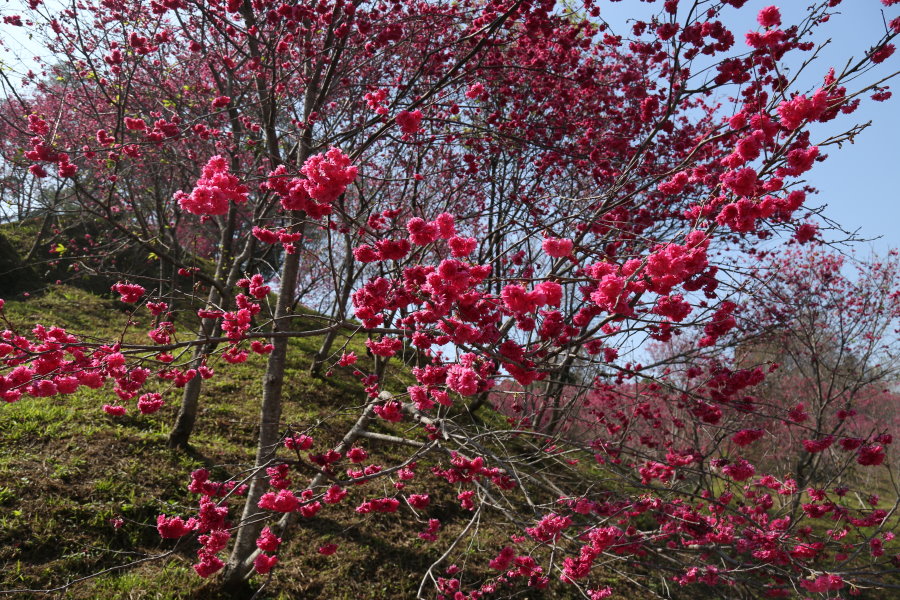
x: 67, y: 470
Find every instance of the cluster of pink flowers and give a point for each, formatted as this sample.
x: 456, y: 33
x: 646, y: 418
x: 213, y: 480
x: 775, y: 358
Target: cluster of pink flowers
x: 286, y: 238
x: 549, y: 527
x: 384, y: 505
x: 409, y: 121
x: 421, y: 233
x: 212, y: 525
x: 375, y: 99
x: 326, y: 176
x: 557, y: 247
x: 390, y: 411
x: 214, y: 192
x: 42, y: 152
x: 129, y: 292
x: 201, y: 484
x: 431, y: 532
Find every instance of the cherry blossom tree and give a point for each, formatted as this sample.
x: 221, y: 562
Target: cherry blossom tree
x: 830, y: 327
x: 502, y: 194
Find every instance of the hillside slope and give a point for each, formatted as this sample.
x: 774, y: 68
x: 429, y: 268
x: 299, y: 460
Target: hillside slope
x: 80, y: 490
x: 69, y: 472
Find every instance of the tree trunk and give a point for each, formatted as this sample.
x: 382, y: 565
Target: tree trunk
x: 190, y: 398
x: 479, y: 401
x: 353, y: 434
x: 269, y: 430
x: 273, y: 380
x: 187, y: 412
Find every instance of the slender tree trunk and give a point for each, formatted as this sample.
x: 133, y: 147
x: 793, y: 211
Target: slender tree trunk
x: 46, y: 224
x: 319, y: 358
x: 190, y: 404
x: 269, y: 428
x: 190, y: 397
x: 353, y: 434
x: 273, y: 383
x: 554, y: 392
